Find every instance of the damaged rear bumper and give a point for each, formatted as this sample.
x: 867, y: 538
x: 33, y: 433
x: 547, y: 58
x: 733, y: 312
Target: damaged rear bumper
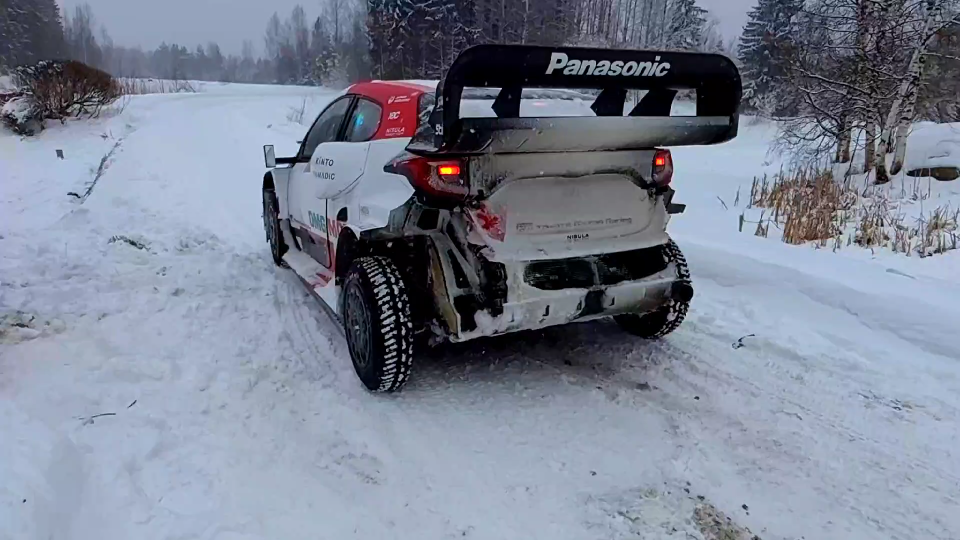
x: 530, y: 308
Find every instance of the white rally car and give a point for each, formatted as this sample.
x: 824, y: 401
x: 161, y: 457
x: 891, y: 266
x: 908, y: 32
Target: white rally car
x: 409, y: 217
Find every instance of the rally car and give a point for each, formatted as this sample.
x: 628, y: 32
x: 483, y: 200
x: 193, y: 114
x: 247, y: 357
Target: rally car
x: 414, y: 221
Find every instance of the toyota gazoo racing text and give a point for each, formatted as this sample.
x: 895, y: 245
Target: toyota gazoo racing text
x: 414, y: 218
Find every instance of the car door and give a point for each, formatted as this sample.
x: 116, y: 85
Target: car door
x: 361, y: 127
x: 308, y: 213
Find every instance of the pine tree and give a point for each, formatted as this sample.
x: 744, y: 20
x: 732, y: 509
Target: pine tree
x: 687, y: 21
x: 30, y: 30
x: 763, y: 46
x: 322, y: 52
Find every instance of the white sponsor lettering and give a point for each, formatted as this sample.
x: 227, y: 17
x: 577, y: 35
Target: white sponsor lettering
x: 560, y: 61
x: 393, y: 115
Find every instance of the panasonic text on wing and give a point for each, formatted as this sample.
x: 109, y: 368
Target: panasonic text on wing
x: 559, y: 60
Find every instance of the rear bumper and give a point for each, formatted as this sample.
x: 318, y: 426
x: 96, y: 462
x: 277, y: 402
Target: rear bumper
x: 530, y: 308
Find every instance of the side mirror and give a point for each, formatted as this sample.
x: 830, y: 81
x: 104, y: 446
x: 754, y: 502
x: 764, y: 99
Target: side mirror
x: 269, y: 156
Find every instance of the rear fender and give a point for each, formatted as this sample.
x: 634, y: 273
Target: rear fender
x: 380, y: 192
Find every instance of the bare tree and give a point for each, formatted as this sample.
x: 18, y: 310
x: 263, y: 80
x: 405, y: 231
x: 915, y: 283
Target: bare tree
x: 932, y: 14
x: 857, y: 66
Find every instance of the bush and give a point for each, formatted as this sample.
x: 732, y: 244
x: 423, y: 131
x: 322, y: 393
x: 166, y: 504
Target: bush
x: 60, y: 89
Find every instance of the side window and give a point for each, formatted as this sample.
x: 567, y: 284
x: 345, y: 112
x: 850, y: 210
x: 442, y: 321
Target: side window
x: 327, y: 125
x: 364, y: 121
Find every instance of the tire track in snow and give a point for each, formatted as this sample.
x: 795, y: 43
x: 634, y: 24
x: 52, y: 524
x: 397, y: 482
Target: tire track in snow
x: 805, y: 447
x: 305, y: 333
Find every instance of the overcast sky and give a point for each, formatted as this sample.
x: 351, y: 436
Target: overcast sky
x: 229, y: 22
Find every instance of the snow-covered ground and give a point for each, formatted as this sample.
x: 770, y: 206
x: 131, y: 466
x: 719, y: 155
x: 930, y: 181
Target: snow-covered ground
x: 231, y: 411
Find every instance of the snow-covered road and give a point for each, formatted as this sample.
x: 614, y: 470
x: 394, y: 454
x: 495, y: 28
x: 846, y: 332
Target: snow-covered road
x: 233, y: 412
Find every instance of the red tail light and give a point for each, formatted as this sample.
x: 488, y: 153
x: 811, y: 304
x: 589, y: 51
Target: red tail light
x: 439, y: 178
x: 662, y: 167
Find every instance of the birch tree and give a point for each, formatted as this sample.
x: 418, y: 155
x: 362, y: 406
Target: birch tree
x: 902, y: 112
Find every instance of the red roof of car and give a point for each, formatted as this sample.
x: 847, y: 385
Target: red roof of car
x: 399, y: 100
x: 383, y: 90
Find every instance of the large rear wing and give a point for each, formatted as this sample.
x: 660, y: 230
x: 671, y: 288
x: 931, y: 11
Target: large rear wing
x: 512, y: 68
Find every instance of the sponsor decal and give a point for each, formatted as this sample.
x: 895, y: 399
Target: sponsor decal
x: 395, y: 131
x: 560, y: 61
x: 576, y: 224
x: 321, y: 223
x: 400, y: 99
x: 394, y: 115
x: 324, y: 175
x: 577, y: 237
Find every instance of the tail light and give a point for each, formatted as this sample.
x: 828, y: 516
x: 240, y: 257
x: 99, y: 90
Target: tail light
x: 662, y: 167
x: 445, y: 178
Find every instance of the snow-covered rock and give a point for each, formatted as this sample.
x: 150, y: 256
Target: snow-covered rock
x: 934, y: 150
x: 21, y: 115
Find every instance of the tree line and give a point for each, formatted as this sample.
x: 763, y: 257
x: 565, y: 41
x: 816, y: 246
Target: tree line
x: 421, y: 38
x: 845, y: 77
x: 349, y: 40
x: 330, y: 48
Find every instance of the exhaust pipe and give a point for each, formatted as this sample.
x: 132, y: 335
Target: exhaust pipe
x: 682, y: 291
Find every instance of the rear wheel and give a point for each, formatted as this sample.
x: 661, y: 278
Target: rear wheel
x: 669, y: 316
x: 377, y: 324
x: 271, y: 225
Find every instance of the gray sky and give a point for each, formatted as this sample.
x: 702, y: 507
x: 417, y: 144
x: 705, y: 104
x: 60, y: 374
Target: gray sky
x: 229, y: 22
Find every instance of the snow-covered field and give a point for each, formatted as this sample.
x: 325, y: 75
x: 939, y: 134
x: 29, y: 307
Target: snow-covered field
x: 231, y: 411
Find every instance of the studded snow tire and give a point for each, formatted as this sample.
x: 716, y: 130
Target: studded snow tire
x: 377, y: 324
x: 669, y: 317
x: 271, y: 226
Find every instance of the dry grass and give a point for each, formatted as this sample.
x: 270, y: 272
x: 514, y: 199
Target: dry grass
x: 940, y: 230
x: 296, y: 114
x: 137, y: 87
x: 715, y: 525
x: 810, y: 206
